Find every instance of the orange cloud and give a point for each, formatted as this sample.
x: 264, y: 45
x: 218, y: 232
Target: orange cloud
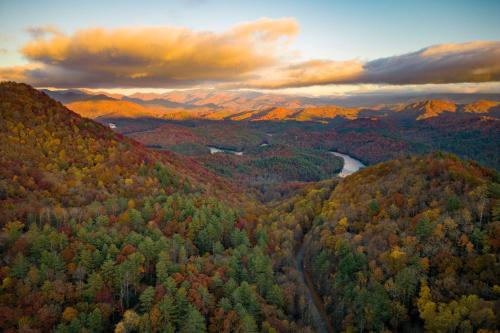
x: 308, y: 73
x: 16, y: 73
x: 156, y: 56
x: 445, y: 63
x: 249, y: 55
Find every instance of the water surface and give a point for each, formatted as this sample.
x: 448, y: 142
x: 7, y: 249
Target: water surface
x: 351, y: 165
x: 215, y: 150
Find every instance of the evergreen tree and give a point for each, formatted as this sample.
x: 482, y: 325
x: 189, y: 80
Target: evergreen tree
x: 194, y: 322
x: 94, y: 321
x: 275, y: 296
x: 20, y: 266
x: 146, y: 299
x: 168, y: 310
x: 245, y: 296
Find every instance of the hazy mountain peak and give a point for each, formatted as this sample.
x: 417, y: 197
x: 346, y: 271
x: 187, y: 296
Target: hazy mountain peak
x: 427, y: 108
x: 480, y: 106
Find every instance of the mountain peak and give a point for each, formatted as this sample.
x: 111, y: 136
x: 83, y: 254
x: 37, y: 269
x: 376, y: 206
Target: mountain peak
x: 481, y: 106
x: 427, y: 108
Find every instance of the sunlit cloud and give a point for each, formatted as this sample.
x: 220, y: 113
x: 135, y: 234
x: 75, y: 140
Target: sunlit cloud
x: 308, y: 73
x: 251, y: 55
x: 17, y: 73
x: 154, y: 56
x: 445, y: 63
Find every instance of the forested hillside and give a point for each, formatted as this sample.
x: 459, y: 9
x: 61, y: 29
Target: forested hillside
x: 102, y: 234
x: 201, y: 166
x: 51, y: 157
x: 410, y: 242
x: 99, y: 234
x: 406, y: 245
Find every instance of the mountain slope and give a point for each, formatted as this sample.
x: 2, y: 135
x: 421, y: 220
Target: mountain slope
x: 410, y: 242
x: 408, y: 245
x: 73, y: 95
x: 53, y: 156
x: 100, y: 234
x: 482, y: 106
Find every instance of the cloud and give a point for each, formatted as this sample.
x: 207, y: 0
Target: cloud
x: 154, y: 56
x: 40, y: 32
x: 445, y: 63
x: 253, y: 55
x: 308, y: 73
x: 16, y: 73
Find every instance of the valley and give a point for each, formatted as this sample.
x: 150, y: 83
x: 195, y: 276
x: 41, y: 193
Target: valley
x: 318, y: 315
x: 371, y: 133
x: 291, y: 151
x: 200, y: 166
x: 274, y: 226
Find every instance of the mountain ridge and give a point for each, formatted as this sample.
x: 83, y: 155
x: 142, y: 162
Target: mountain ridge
x: 422, y: 110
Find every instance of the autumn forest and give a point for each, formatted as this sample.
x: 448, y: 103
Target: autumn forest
x: 100, y: 233
x: 285, y: 166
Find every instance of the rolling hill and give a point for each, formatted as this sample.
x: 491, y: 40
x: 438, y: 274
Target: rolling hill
x: 407, y: 245
x: 101, y: 234
x: 408, y: 240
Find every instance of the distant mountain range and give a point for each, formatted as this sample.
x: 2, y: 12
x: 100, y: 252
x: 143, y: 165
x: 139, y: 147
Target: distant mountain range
x: 254, y: 106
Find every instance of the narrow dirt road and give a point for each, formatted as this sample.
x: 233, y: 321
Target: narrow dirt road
x: 318, y: 314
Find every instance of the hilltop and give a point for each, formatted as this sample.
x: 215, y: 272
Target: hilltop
x: 406, y: 245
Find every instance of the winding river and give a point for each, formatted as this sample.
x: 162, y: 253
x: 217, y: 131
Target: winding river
x: 351, y: 165
x: 215, y: 150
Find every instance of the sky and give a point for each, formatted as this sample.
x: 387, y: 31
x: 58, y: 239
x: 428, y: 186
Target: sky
x: 316, y: 47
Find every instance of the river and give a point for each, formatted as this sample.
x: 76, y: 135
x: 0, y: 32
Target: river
x: 351, y: 165
x: 215, y: 150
